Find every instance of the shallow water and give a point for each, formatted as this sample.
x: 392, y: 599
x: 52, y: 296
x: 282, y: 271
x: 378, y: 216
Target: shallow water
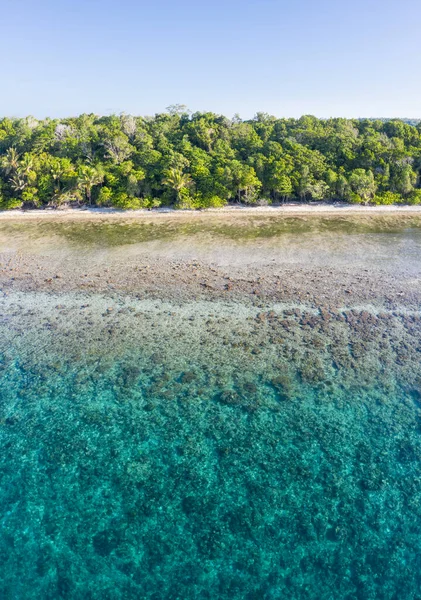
x: 208, y: 449
x: 107, y: 232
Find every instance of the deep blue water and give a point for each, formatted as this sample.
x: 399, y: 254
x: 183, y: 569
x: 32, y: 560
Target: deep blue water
x: 217, y: 458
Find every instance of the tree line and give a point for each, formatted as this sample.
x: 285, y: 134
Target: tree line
x: 204, y: 160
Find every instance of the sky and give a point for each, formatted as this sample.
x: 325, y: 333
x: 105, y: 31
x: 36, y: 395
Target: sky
x: 349, y: 58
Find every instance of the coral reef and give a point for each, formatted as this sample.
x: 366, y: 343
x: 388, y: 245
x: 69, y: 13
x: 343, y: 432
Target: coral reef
x: 199, y: 451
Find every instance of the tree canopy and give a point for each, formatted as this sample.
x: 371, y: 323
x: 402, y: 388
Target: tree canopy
x: 206, y: 160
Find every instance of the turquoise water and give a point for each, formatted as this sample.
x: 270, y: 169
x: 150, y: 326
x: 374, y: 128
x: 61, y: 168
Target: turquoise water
x: 208, y: 450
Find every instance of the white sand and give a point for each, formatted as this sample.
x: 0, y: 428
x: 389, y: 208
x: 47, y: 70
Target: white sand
x: 307, y: 209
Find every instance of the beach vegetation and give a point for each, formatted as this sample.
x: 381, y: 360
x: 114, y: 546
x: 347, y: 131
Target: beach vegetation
x: 205, y: 160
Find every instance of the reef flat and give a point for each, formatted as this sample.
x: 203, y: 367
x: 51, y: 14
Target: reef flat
x: 212, y: 413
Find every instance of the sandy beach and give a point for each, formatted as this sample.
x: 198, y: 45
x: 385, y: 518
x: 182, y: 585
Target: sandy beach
x: 288, y: 209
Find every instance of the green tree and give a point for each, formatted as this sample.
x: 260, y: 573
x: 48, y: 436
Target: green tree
x: 179, y: 182
x: 363, y: 185
x: 61, y: 170
x: 284, y: 187
x: 304, y: 181
x: 404, y: 179
x: 10, y: 161
x: 88, y: 178
x: 205, y: 159
x: 244, y: 181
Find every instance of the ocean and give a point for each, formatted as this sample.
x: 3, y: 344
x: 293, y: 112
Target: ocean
x: 210, y: 448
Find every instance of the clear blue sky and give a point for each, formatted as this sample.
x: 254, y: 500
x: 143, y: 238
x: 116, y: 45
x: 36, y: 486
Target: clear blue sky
x: 323, y: 57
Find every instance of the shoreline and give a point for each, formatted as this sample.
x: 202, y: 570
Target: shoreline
x: 287, y: 209
x: 322, y: 256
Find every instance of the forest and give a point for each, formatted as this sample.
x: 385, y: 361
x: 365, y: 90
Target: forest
x: 204, y: 160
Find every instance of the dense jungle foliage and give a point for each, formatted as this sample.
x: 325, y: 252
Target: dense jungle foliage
x: 206, y: 160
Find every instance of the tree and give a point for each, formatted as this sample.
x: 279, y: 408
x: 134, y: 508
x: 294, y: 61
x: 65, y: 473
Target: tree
x: 342, y: 186
x: 277, y: 180
x: 26, y: 165
x: 177, y: 109
x: 88, y: 178
x: 404, y: 179
x: 10, y: 161
x: 243, y: 180
x: 178, y: 181
x: 128, y: 125
x: 18, y: 182
x: 362, y: 184
x: 284, y: 187
x: 118, y: 149
x: 203, y: 131
x: 204, y: 159
x: 332, y: 183
x: 22, y: 174
x: 60, y: 168
x: 318, y: 190
x: 304, y: 183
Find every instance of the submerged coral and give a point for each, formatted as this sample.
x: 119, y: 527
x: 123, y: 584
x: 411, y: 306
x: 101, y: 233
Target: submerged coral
x: 154, y: 454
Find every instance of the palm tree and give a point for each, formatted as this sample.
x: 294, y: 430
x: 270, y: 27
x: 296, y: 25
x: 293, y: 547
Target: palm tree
x: 20, y: 177
x: 26, y: 165
x: 88, y: 178
x: 57, y: 172
x: 177, y: 181
x: 10, y: 161
x: 59, y: 168
x: 18, y: 182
